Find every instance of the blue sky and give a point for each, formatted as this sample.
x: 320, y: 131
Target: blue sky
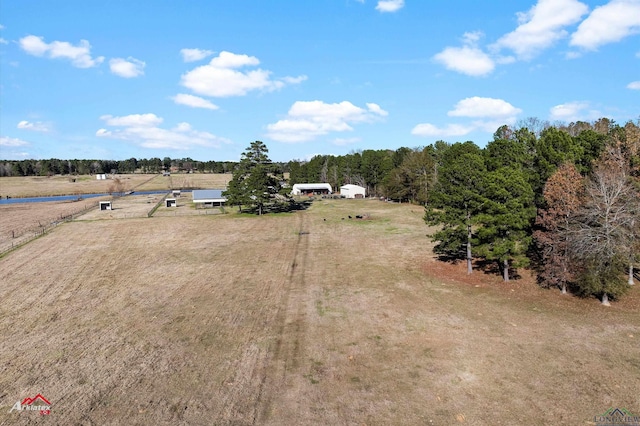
x: 204, y: 78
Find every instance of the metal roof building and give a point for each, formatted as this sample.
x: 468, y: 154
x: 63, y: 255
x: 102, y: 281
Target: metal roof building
x: 311, y: 188
x: 208, y: 197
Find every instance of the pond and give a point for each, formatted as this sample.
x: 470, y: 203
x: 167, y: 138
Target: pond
x: 70, y: 197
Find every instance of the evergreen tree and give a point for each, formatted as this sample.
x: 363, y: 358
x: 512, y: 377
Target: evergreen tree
x: 506, y: 218
x: 456, y: 200
x: 253, y: 181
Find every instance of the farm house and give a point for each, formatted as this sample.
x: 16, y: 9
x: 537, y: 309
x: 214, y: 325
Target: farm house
x: 352, y: 191
x: 311, y: 189
x: 208, y: 198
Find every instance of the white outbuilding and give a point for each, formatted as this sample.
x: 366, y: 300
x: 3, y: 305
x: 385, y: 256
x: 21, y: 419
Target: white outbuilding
x: 352, y: 191
x: 208, y: 197
x: 311, y: 189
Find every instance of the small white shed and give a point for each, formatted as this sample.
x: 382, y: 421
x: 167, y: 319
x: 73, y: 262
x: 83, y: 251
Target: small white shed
x: 105, y: 205
x: 353, y: 191
x: 171, y: 202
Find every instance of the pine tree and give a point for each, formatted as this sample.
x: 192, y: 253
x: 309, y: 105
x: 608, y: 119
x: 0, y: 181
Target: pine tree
x: 506, y: 218
x: 254, y: 180
x: 456, y: 200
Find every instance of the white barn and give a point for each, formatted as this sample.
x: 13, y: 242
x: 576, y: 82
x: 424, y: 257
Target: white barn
x: 353, y: 191
x: 208, y: 197
x: 311, y: 189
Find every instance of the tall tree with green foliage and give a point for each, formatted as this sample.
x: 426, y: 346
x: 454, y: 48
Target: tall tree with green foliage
x: 506, y: 219
x: 253, y: 181
x: 456, y: 200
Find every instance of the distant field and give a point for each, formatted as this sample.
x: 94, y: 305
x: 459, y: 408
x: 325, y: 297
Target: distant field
x: 297, y: 319
x: 34, y: 186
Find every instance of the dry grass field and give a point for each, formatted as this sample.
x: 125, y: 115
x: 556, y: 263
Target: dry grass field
x: 196, y: 180
x: 38, y: 186
x: 308, y: 318
x: 35, y: 186
x: 20, y: 222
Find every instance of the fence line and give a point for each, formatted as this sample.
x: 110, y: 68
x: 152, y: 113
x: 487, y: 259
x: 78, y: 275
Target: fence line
x: 27, y: 235
x: 153, y: 210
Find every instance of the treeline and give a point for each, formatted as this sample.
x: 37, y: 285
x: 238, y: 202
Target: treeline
x: 562, y: 199
x: 408, y: 174
x: 56, y: 166
x: 566, y: 203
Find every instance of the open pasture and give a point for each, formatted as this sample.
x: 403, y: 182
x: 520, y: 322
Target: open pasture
x: 38, y: 186
x: 302, y: 318
x: 187, y: 180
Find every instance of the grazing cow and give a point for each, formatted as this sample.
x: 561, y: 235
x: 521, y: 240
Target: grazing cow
x: 358, y: 217
x: 350, y: 217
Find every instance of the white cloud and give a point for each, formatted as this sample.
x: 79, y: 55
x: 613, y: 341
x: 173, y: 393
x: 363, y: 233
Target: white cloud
x: 484, y: 107
x: 542, y: 26
x: 143, y: 130
x: 608, y: 23
x: 80, y: 55
x: 466, y: 60
x: 308, y: 120
x: 294, y: 80
x: 36, y: 127
x: 634, y: 85
x: 375, y: 108
x: 133, y: 120
x: 430, y: 130
x: 127, y: 68
x: 7, y: 141
x: 192, y: 55
x: 3, y: 41
x: 490, y: 113
x: 221, y: 77
x: 193, y: 101
x: 390, y: 5
x: 469, y: 59
x: 573, y: 111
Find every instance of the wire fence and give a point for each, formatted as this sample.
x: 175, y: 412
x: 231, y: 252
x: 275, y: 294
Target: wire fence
x: 18, y: 237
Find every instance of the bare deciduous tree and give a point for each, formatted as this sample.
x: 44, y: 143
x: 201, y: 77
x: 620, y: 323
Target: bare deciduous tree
x: 601, y: 233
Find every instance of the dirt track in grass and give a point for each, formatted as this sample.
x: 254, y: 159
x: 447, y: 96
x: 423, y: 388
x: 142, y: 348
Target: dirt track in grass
x: 302, y: 318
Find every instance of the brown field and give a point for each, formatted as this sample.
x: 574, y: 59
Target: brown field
x: 21, y: 222
x: 297, y: 319
x: 196, y: 180
x: 33, y: 186
x: 37, y: 186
